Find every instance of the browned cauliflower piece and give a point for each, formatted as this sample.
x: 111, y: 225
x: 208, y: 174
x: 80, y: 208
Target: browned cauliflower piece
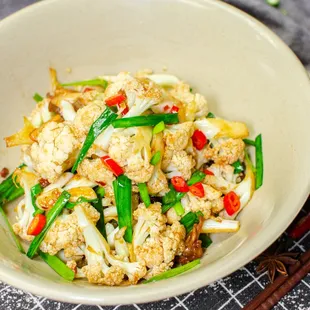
x: 181, y: 164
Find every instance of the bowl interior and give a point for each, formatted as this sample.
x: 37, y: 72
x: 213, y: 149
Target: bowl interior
x: 243, y: 69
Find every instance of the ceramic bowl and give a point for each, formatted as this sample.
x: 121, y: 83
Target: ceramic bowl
x: 245, y: 71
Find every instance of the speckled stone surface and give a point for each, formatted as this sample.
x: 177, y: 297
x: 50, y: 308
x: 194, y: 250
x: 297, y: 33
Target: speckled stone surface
x: 236, y: 290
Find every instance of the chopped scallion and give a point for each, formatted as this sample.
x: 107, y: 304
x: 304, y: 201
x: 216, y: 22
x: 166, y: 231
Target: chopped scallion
x: 155, y: 158
x: 179, y: 208
x: 144, y: 194
x: 210, y: 115
x: 159, y: 128
x: 146, y: 120
x: 37, y: 97
x: 174, y: 272
x: 249, y: 142
x: 98, y: 206
x: 196, y: 177
x: 259, y: 161
x: 205, y: 240
x: 238, y: 167
x: 94, y: 82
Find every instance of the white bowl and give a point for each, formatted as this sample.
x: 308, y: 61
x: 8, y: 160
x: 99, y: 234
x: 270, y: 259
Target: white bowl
x: 246, y: 72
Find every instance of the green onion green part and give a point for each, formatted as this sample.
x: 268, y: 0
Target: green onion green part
x: 98, y: 206
x: 205, y: 240
x: 35, y: 191
x: 101, y: 123
x: 196, y: 177
x: 179, y: 208
x: 15, y: 238
x: 171, y: 198
x: 155, y: 158
x: 238, y: 167
x: 18, y: 192
x: 249, y: 142
x: 159, y: 128
x: 259, y: 161
x: 146, y: 120
x: 274, y: 3
x: 174, y: 272
x: 122, y: 193
x: 210, y: 115
x: 58, y: 266
x: 37, y: 97
x: 94, y: 82
x: 50, y: 218
x: 189, y: 220
x: 144, y: 194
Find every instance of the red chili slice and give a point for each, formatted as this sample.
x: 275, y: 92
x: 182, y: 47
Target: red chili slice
x: 115, y: 100
x: 36, y: 225
x: 112, y: 165
x: 199, y: 139
x: 208, y: 172
x: 231, y: 203
x: 166, y: 108
x: 179, y: 184
x: 174, y: 109
x: 197, y: 190
x: 87, y: 89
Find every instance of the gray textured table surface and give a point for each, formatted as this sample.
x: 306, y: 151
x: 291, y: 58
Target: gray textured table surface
x: 291, y: 21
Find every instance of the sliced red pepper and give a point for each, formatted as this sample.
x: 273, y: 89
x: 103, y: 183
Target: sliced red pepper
x: 125, y: 111
x: 179, y: 184
x: 197, y: 190
x: 208, y: 172
x: 302, y: 227
x: 166, y: 108
x: 115, y: 100
x: 112, y: 165
x: 231, y: 203
x: 36, y: 225
x: 199, y: 139
x: 174, y: 109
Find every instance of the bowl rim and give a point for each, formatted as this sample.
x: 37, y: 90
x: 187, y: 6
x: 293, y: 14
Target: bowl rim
x: 155, y: 292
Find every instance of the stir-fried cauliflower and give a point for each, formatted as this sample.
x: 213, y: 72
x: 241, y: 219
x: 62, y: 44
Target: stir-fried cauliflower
x: 55, y: 151
x: 131, y: 149
x: 142, y: 152
x: 226, y: 151
x: 65, y: 233
x: 155, y: 242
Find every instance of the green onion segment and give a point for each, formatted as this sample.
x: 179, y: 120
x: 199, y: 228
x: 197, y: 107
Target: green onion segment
x: 159, y: 128
x: 196, y: 177
x: 144, y: 194
x: 58, y: 266
x: 93, y: 82
x: 238, y: 167
x: 50, y: 218
x: 179, y: 208
x: 98, y: 206
x: 122, y: 193
x: 205, y: 240
x: 259, y: 161
x: 155, y: 158
x: 190, y: 219
x: 174, y: 272
x: 35, y: 191
x: 210, y: 115
x: 37, y: 97
x: 146, y: 120
x: 101, y: 123
x: 249, y: 142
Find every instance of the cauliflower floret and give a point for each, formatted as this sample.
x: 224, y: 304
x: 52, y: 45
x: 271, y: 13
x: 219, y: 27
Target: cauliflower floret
x: 55, y: 151
x: 95, y: 171
x: 131, y: 149
x: 141, y: 93
x: 226, y: 151
x: 181, y: 164
x: 193, y: 203
x: 86, y: 116
x: 196, y: 104
x: 154, y: 242
x: 98, y: 255
x: 176, y: 137
x: 223, y: 179
x: 66, y: 234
